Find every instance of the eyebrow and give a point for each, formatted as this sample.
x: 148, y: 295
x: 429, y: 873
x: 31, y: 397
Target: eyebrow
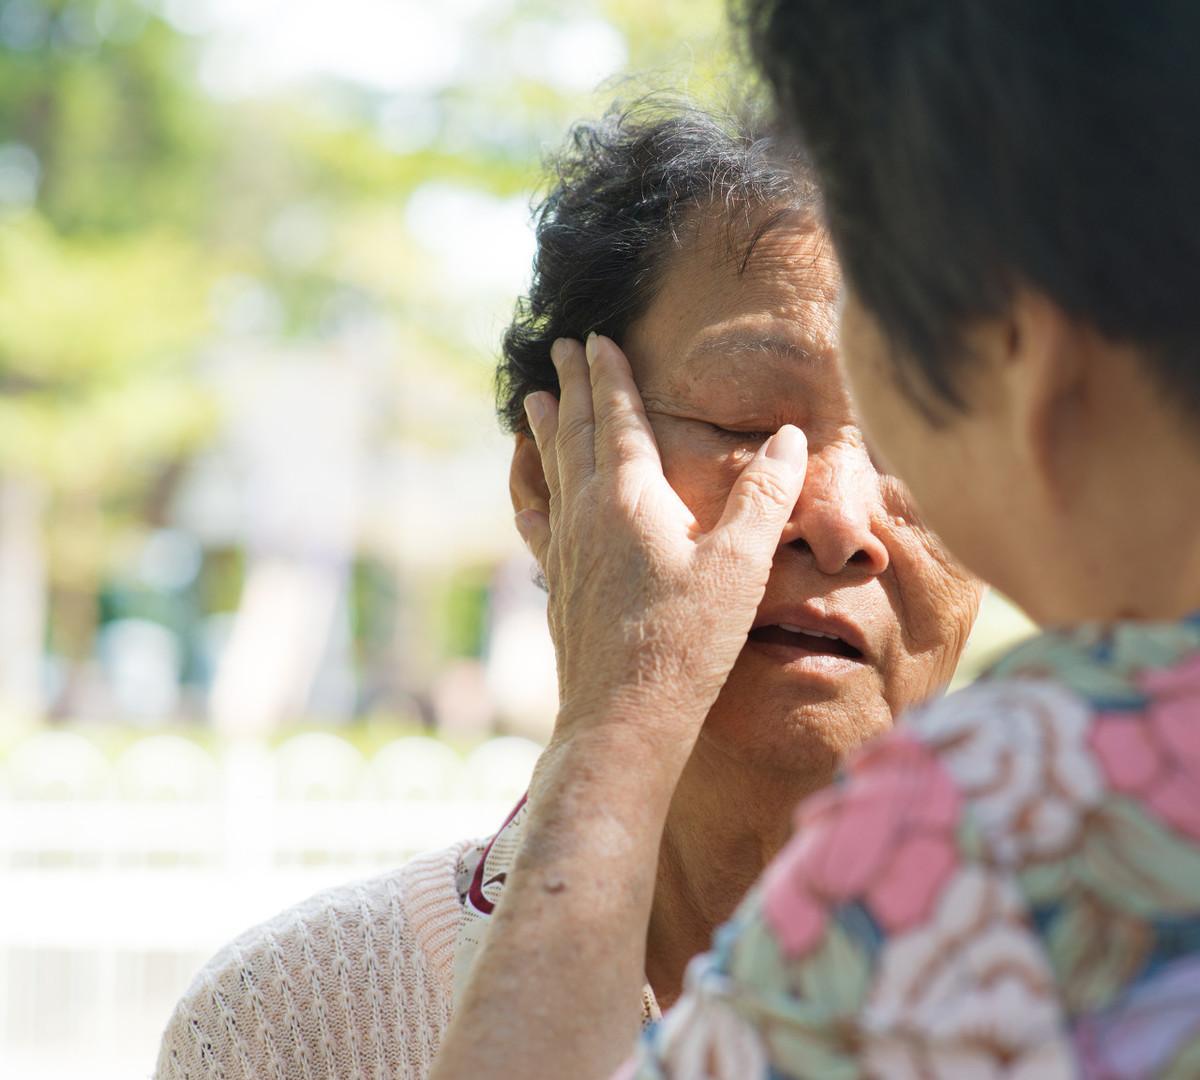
x: 742, y: 343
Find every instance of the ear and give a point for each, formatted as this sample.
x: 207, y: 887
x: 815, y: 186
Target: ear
x: 1049, y: 357
x: 526, y: 480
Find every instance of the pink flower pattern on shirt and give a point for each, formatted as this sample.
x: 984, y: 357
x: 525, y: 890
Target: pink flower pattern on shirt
x: 1007, y: 886
x: 1155, y: 757
x: 888, y: 841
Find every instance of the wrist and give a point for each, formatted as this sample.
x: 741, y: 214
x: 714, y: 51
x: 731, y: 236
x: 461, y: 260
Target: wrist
x: 637, y: 727
x: 602, y: 789
x: 615, y: 753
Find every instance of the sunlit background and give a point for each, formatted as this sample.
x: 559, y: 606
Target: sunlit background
x: 264, y: 622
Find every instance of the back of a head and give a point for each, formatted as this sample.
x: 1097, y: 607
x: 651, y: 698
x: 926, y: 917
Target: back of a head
x: 967, y: 148
x: 624, y: 191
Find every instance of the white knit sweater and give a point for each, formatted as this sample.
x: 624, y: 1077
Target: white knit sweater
x: 355, y: 982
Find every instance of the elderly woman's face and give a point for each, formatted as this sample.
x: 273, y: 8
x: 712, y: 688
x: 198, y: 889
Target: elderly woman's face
x: 864, y: 614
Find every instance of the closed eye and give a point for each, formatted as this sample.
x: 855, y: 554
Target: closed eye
x: 741, y: 436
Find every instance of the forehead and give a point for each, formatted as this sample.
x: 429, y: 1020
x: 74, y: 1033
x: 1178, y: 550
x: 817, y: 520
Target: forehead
x: 723, y: 318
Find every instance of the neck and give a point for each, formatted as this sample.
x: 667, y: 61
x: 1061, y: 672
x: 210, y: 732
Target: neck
x: 1131, y: 522
x: 726, y: 821
x: 1165, y: 558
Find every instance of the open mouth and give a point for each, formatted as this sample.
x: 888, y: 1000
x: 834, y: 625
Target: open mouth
x: 807, y: 640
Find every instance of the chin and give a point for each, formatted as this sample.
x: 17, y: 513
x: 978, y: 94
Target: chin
x: 804, y: 731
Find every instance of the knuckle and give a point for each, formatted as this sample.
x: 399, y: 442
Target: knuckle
x: 610, y: 425
x: 730, y: 560
x: 765, y: 486
x: 620, y: 435
x: 573, y: 432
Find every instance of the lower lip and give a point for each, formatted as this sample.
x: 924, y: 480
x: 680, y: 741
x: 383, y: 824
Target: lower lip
x: 804, y: 661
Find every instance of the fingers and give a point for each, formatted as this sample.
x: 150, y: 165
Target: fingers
x: 622, y: 430
x: 600, y: 420
x: 576, y: 421
x: 541, y: 409
x: 763, y: 497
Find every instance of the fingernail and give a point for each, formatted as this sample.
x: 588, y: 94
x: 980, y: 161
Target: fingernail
x: 521, y: 521
x: 535, y: 409
x: 593, y: 343
x: 558, y: 351
x: 787, y: 444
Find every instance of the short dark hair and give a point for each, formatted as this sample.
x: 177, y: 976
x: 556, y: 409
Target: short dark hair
x: 624, y: 194
x: 968, y: 148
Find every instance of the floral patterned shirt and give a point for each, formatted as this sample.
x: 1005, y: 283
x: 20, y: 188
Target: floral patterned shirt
x: 1008, y: 885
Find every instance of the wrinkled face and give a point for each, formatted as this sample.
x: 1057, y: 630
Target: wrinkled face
x: 864, y: 614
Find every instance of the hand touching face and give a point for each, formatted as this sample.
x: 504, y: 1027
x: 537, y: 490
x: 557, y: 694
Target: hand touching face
x: 723, y: 358
x: 861, y: 614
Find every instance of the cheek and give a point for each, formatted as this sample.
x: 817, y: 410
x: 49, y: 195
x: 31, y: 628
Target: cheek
x: 701, y: 478
x: 947, y: 488
x: 936, y: 601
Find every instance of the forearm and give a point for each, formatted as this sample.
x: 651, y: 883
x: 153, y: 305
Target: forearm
x: 649, y: 615
x: 566, y: 949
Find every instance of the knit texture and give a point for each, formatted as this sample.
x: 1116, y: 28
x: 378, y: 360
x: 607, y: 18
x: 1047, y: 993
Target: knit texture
x: 355, y: 983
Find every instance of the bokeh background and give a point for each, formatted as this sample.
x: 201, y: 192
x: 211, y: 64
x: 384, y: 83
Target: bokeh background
x: 264, y: 622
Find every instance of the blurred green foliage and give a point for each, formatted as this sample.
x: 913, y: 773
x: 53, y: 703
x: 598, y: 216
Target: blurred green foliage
x: 134, y: 203
x: 106, y: 152
x: 101, y: 92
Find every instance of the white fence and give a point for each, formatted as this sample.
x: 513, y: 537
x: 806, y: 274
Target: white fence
x: 119, y: 878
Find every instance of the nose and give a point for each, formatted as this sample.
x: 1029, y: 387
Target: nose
x: 832, y: 518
